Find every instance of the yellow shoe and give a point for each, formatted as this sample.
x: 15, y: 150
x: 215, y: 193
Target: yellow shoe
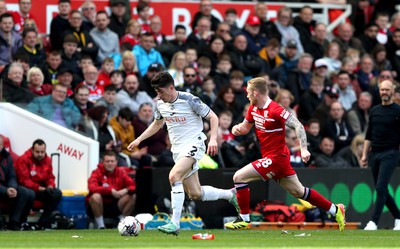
x: 238, y: 223
x: 341, y: 216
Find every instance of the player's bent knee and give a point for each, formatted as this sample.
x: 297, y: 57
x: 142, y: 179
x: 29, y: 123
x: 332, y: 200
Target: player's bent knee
x: 196, y: 196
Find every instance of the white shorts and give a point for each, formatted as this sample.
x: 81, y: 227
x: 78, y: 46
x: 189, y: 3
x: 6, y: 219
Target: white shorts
x: 196, y: 150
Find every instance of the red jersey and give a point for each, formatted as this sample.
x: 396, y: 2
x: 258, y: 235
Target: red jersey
x: 103, y: 79
x: 269, y: 125
x: 33, y: 174
x: 102, y: 182
x: 19, y: 20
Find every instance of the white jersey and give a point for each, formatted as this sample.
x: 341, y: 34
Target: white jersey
x: 184, y: 119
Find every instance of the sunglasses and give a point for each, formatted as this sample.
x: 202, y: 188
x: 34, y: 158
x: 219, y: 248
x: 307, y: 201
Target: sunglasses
x: 190, y: 75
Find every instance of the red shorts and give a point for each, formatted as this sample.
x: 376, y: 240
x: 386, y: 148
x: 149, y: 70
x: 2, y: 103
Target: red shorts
x: 275, y: 167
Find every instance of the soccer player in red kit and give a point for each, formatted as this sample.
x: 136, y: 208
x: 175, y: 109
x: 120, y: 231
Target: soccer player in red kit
x: 269, y: 119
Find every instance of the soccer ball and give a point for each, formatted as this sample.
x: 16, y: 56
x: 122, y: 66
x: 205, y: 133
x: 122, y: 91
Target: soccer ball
x: 129, y: 226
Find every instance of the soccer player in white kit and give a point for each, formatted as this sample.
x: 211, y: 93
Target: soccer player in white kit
x: 183, y: 113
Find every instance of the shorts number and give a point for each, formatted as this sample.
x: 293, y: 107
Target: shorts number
x: 265, y: 162
x: 193, y: 151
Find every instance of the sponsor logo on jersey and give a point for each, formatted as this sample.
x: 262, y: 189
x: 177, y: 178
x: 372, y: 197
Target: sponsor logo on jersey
x: 175, y: 119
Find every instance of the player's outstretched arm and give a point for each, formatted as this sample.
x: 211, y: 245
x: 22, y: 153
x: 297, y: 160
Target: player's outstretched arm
x: 150, y: 131
x: 242, y: 128
x: 212, y: 148
x: 295, y: 124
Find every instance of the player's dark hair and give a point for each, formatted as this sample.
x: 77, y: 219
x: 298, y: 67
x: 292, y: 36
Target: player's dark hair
x: 162, y: 79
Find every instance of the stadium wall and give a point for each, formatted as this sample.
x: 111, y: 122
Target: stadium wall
x: 78, y: 154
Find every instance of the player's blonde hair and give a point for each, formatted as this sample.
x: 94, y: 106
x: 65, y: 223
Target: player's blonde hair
x: 259, y: 84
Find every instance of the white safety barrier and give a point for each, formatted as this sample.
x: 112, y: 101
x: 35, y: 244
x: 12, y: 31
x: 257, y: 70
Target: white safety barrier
x: 79, y: 155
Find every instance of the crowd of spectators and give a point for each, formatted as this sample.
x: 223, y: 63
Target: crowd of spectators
x: 92, y: 73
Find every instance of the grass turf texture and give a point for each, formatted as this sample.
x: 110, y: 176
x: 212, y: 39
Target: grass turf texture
x: 223, y: 239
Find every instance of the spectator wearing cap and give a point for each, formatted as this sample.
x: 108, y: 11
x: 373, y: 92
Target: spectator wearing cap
x: 286, y: 29
x: 118, y: 22
x: 86, y: 45
x: 321, y: 70
x: 10, y: 40
x: 145, y: 85
x: 37, y: 57
x: 321, y: 113
x: 130, y: 96
x: 290, y: 59
x: 146, y: 54
x: 347, y: 95
x: 59, y: 23
x: 56, y: 107
x: 65, y: 76
x: 346, y: 39
x: 305, y: 24
x: 255, y: 40
x: 299, y: 79
x: 311, y: 99
x: 106, y: 40
x: 205, y: 8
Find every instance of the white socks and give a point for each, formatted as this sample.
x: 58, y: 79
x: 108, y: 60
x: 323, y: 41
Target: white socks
x: 212, y: 194
x: 333, y: 209
x: 99, y: 221
x: 177, y: 199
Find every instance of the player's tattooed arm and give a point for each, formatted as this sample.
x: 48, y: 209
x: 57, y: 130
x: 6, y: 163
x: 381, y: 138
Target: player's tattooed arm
x: 295, y: 124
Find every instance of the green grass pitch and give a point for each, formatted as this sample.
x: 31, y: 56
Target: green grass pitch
x: 110, y: 238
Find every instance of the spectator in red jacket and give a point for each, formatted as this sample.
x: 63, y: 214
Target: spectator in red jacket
x: 35, y: 171
x: 111, y: 191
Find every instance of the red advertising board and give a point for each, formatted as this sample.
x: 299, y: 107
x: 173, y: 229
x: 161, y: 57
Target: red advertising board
x: 171, y: 12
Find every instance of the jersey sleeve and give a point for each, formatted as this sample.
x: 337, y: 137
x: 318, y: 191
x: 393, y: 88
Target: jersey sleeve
x: 198, y: 106
x: 249, y: 116
x: 157, y: 114
x: 281, y: 114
